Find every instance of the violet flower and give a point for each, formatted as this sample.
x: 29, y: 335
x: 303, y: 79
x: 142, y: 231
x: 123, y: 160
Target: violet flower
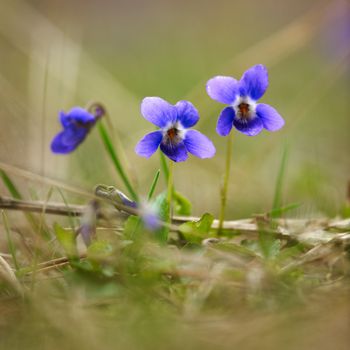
x: 173, y: 138
x: 147, y: 211
x: 243, y: 112
x: 76, y: 125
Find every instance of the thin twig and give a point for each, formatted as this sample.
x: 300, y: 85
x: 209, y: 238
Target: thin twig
x: 243, y: 225
x: 39, y: 206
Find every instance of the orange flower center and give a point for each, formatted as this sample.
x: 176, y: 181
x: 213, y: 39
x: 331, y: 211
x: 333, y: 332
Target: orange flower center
x: 172, y: 133
x: 244, y: 109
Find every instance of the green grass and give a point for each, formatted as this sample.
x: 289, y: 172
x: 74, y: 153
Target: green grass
x: 245, y: 290
x: 278, y: 280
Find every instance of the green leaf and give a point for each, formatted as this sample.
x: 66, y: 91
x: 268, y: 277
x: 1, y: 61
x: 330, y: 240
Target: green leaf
x: 270, y: 246
x: 196, y: 231
x: 67, y: 239
x: 98, y: 250
x: 182, y: 205
x: 132, y: 227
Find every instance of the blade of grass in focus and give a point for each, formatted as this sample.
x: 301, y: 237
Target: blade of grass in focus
x: 17, y: 195
x: 276, y: 206
x: 115, y: 159
x: 153, y: 185
x: 149, y: 197
x: 10, y: 185
x: 276, y: 212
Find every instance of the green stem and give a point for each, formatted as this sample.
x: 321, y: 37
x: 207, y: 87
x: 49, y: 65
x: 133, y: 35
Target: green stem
x: 164, y: 166
x: 170, y: 187
x: 224, y: 187
x: 115, y: 159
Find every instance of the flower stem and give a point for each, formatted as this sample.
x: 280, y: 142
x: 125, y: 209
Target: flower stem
x: 164, y: 165
x: 224, y: 187
x: 170, y: 188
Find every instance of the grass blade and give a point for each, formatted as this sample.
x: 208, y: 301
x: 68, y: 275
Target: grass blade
x: 153, y: 185
x: 10, y: 185
x: 17, y: 195
x: 275, y: 212
x: 11, y: 246
x: 115, y: 159
x: 281, y: 210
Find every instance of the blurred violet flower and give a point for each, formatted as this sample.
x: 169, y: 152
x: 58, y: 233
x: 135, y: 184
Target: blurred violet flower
x: 173, y: 138
x: 243, y: 112
x: 87, y: 228
x: 76, y: 125
x: 147, y: 211
x: 150, y: 216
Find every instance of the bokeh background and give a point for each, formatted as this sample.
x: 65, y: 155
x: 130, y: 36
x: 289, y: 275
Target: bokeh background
x: 60, y: 53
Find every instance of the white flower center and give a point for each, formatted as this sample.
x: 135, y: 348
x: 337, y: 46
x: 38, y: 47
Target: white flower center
x: 244, y: 108
x: 173, y: 133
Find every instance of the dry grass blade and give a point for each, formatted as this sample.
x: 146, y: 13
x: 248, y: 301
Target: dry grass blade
x: 8, y: 276
x: 310, y: 232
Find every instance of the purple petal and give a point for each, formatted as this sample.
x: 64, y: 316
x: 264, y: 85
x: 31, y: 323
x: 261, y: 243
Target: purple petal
x: 150, y: 219
x: 158, y: 111
x: 222, y: 89
x: 87, y: 227
x: 76, y: 114
x: 177, y: 153
x: 254, y: 82
x: 250, y: 127
x: 198, y: 144
x: 126, y: 200
x: 68, y: 140
x: 225, y: 121
x: 271, y: 119
x: 64, y: 119
x: 149, y: 144
x: 187, y: 114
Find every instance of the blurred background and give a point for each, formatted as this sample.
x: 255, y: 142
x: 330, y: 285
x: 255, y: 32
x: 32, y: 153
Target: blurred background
x: 58, y: 54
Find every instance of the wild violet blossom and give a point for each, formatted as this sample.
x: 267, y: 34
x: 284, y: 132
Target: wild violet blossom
x: 76, y: 125
x: 243, y: 112
x: 173, y: 138
x: 147, y: 211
